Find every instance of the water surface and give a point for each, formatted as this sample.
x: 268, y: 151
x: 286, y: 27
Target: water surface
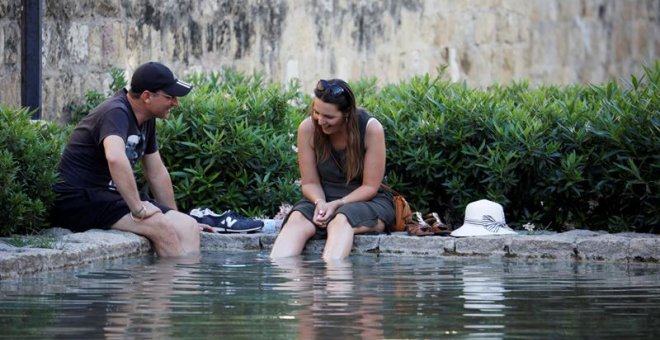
x: 245, y: 295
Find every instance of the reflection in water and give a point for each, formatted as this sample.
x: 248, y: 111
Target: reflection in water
x: 247, y: 295
x: 147, y: 302
x: 331, y: 305
x: 484, y: 303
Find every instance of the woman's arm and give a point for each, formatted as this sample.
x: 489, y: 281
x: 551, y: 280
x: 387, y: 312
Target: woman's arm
x: 309, y: 177
x: 374, y: 164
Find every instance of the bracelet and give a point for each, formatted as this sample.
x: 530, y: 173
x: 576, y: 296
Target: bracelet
x: 342, y: 201
x: 139, y: 216
x: 317, y: 201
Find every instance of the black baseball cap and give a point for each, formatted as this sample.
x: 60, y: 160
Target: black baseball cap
x: 154, y: 76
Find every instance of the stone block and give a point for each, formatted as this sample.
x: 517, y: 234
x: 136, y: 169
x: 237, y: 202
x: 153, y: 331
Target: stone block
x: 107, y: 8
x: 267, y: 241
x: 56, y: 232
x: 401, y: 243
x: 542, y: 246
x: 568, y: 10
x: 603, y: 248
x: 543, y: 10
x: 11, y: 94
x: 484, y: 32
x: 11, y: 40
x: 77, y: 43
x: 488, y: 245
x: 643, y: 247
x: 95, y: 45
x: 366, y: 244
x: 232, y: 242
x: 508, y: 29
x: 26, y: 261
x: 314, y: 247
x: 5, y: 247
x: 644, y: 250
x: 574, y: 235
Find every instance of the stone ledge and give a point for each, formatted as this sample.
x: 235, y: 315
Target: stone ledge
x: 73, y: 249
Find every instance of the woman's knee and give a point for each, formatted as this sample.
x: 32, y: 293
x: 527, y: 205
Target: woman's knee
x: 298, y: 223
x: 339, y: 222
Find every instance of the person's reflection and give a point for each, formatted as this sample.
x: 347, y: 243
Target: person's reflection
x: 332, y: 306
x: 299, y: 282
x: 484, y: 297
x: 146, y: 302
x: 367, y: 313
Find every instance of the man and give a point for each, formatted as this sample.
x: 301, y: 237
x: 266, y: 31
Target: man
x: 98, y: 187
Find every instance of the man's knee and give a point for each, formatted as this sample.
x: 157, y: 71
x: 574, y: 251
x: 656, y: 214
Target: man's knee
x: 184, y: 222
x: 164, y: 229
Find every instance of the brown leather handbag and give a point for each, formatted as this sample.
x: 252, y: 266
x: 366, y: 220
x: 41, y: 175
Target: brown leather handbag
x: 403, y: 213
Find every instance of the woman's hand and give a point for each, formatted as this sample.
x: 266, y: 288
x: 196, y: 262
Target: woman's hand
x: 320, y: 214
x: 324, y: 210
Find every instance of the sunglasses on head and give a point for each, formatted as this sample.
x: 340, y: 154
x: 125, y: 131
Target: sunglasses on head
x: 324, y: 86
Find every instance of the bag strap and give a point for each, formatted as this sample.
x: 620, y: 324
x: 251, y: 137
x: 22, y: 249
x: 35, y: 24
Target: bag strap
x: 386, y: 187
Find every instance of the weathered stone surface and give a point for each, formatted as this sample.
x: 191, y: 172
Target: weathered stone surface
x: 402, y: 244
x: 553, y: 41
x: 314, y: 247
x: 70, y: 249
x: 544, y: 246
x: 56, y: 232
x: 604, y: 248
x: 367, y: 244
x: 267, y: 241
x: 73, y: 249
x: 620, y: 247
x: 492, y: 245
x: 211, y: 241
x: 645, y: 249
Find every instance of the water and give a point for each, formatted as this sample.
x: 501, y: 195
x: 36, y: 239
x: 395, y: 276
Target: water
x: 245, y: 295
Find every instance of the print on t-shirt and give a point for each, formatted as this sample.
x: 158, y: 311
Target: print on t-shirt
x: 134, y: 148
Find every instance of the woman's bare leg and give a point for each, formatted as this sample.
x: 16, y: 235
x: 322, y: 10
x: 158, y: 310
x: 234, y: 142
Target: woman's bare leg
x: 340, y: 237
x: 293, y: 236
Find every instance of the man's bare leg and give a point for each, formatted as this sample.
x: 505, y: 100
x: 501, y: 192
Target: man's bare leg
x: 187, y: 229
x: 158, y: 229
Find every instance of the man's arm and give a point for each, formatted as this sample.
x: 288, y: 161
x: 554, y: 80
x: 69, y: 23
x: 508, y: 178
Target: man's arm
x: 121, y: 171
x: 160, y: 182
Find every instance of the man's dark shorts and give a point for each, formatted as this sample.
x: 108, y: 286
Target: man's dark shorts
x: 81, y: 210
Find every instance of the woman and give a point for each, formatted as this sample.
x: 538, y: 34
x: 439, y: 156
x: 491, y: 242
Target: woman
x: 341, y: 156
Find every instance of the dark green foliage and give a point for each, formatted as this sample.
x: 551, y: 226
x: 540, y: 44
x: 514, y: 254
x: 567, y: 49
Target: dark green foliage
x: 557, y: 157
x: 230, y: 144
x: 576, y: 156
x: 29, y: 152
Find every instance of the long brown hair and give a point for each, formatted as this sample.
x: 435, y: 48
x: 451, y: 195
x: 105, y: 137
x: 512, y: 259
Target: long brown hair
x: 338, y: 93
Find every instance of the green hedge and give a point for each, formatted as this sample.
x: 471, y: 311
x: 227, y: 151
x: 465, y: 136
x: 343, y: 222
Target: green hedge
x: 29, y: 152
x: 556, y: 157
x: 230, y: 144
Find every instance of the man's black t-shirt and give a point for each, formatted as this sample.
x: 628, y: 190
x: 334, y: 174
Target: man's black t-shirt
x: 83, y: 163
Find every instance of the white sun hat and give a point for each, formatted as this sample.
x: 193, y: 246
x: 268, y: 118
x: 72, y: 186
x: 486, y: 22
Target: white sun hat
x: 483, y: 218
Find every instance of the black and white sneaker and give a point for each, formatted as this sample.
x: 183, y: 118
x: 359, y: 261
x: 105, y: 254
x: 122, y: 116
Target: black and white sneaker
x: 227, y: 222
x: 205, y: 216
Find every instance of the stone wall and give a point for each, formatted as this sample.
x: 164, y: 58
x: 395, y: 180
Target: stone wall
x: 481, y: 41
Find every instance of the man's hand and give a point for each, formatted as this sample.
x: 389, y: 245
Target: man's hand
x: 206, y: 227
